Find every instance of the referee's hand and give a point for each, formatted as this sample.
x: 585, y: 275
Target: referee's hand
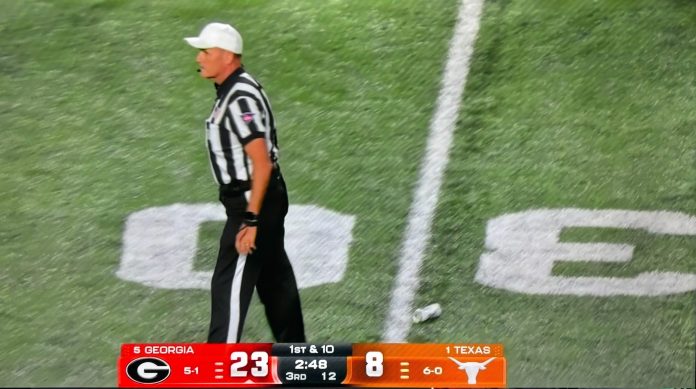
x: 246, y: 240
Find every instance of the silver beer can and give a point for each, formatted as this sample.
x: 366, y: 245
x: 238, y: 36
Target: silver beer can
x: 432, y: 311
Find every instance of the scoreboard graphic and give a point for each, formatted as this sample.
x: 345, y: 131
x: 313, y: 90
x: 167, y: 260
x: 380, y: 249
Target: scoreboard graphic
x: 202, y: 365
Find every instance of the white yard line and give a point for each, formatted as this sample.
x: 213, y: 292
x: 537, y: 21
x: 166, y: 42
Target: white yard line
x: 432, y: 170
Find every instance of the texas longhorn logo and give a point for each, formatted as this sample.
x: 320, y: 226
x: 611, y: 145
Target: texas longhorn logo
x: 472, y: 368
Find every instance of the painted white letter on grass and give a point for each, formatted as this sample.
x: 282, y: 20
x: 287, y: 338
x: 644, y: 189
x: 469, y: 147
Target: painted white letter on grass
x: 522, y: 248
x: 160, y: 243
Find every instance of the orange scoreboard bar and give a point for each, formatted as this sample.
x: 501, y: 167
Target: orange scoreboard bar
x: 407, y: 365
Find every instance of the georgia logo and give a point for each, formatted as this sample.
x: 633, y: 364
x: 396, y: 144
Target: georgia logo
x: 148, y: 370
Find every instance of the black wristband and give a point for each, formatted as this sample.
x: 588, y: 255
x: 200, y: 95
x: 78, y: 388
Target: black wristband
x: 250, y: 219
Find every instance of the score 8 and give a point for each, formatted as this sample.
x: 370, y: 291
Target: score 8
x: 374, y: 366
x: 260, y: 359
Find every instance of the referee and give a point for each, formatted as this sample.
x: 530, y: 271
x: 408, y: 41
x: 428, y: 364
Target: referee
x: 243, y: 151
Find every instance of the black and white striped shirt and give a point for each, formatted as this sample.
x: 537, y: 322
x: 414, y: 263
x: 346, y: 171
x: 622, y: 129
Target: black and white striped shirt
x: 241, y: 114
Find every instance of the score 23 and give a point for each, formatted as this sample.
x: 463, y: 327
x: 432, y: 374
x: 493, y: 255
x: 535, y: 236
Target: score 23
x: 240, y: 360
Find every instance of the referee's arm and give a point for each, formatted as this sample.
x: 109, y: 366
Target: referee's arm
x: 245, y: 241
x: 245, y: 119
x: 257, y: 152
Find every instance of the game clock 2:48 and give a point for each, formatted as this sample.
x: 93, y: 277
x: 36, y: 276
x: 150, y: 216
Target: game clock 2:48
x: 308, y: 370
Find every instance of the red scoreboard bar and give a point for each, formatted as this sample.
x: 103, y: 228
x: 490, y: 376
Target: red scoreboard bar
x: 407, y: 365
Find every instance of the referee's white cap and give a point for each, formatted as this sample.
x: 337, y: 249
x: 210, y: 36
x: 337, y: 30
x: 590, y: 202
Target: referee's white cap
x: 219, y: 35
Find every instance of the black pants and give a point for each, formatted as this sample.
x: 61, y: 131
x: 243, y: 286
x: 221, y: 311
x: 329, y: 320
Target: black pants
x: 267, y: 268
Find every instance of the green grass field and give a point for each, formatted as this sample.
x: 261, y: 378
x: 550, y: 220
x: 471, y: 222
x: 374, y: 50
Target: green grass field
x: 572, y: 104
